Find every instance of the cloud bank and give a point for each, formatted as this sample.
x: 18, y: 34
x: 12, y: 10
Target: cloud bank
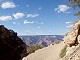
x: 18, y: 15
x: 5, y: 18
x: 61, y: 8
x: 6, y: 5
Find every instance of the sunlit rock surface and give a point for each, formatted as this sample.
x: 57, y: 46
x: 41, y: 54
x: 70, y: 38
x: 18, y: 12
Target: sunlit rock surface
x: 72, y: 39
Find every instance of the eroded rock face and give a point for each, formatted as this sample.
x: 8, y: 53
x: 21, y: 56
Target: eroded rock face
x: 72, y: 39
x: 11, y: 46
x: 78, y: 38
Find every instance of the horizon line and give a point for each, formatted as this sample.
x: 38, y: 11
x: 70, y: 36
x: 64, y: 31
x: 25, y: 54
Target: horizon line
x: 34, y: 35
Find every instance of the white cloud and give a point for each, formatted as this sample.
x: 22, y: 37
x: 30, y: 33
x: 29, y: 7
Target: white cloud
x: 32, y: 15
x: 17, y: 5
x: 38, y: 27
x: 50, y: 31
x: 18, y: 15
x: 27, y: 31
x: 41, y: 22
x: 27, y: 5
x: 6, y: 5
x: 14, y: 22
x: 61, y: 8
x: 37, y: 22
x: 5, y: 18
x: 69, y: 24
x: 68, y: 12
x: 28, y: 22
x: 39, y: 8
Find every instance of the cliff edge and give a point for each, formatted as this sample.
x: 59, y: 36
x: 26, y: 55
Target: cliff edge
x: 11, y: 46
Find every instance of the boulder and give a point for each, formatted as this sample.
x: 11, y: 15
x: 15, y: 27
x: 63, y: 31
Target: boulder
x: 71, y: 37
x: 11, y: 46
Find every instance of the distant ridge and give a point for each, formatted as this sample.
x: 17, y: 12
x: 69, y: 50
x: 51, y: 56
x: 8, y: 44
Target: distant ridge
x: 44, y: 40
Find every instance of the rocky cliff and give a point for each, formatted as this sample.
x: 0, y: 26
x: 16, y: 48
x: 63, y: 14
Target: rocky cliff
x: 11, y: 46
x: 72, y: 39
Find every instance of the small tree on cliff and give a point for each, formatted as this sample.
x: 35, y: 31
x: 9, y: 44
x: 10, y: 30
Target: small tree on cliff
x: 77, y: 14
x: 74, y: 4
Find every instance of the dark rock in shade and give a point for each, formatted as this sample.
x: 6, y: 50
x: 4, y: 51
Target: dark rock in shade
x: 11, y: 46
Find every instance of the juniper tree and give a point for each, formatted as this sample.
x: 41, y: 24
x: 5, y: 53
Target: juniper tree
x: 74, y: 4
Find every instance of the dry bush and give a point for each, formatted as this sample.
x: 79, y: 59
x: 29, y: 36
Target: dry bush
x: 63, y: 51
x: 33, y: 48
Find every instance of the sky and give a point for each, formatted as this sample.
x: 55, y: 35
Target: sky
x: 37, y: 17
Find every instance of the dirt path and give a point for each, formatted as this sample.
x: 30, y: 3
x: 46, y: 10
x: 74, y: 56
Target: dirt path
x: 48, y: 53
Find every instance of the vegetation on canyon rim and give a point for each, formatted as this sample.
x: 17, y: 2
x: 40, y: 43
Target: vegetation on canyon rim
x: 63, y: 51
x: 33, y: 48
x: 74, y: 4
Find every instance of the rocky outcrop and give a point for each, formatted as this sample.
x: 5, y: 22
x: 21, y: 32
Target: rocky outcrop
x: 11, y: 46
x: 72, y: 39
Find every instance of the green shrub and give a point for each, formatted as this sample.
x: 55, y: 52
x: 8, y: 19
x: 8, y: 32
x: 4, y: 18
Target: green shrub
x: 57, y: 42
x: 52, y: 43
x: 63, y: 51
x: 33, y: 48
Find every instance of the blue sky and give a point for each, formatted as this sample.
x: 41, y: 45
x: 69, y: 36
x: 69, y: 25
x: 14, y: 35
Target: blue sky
x: 37, y: 17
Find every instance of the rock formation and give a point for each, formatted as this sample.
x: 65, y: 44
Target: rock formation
x: 72, y: 39
x: 11, y: 46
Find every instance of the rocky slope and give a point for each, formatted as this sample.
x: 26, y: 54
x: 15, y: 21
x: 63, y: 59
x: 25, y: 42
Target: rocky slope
x: 72, y: 39
x: 11, y: 46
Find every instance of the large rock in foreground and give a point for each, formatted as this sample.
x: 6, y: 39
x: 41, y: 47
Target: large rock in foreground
x: 11, y: 46
x: 72, y: 39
